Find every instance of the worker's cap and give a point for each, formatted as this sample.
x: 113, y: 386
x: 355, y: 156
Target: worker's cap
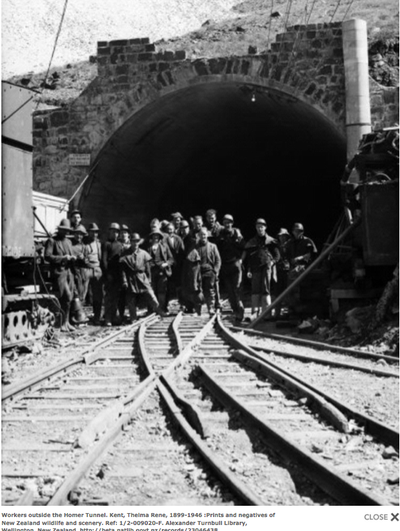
x: 76, y: 211
x: 282, y: 232
x: 93, y: 227
x: 298, y: 226
x: 261, y: 221
x: 125, y: 227
x: 114, y: 226
x: 228, y: 217
x: 156, y: 232
x: 176, y: 215
x: 65, y: 224
x: 135, y: 237
x: 164, y: 224
x: 184, y: 224
x: 80, y: 229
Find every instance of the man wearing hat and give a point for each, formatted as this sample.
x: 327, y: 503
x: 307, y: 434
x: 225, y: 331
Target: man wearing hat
x: 81, y: 278
x: 197, y: 226
x: 188, y: 240
x: 177, y: 248
x: 176, y: 220
x: 94, y: 272
x: 214, y: 228
x: 112, y: 252
x: 300, y: 251
x: 210, y: 265
x: 135, y: 278
x: 76, y: 219
x: 125, y: 239
x: 190, y: 281
x: 58, y: 252
x: 282, y: 267
x: 161, y: 267
x: 192, y: 296
x: 231, y: 245
x: 260, y: 254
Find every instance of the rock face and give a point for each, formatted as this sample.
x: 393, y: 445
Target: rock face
x: 30, y: 28
x: 206, y: 28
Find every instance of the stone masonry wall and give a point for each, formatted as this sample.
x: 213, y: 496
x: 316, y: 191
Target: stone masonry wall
x: 306, y: 62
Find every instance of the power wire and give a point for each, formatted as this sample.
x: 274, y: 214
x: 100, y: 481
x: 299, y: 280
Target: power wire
x: 270, y: 24
x: 337, y: 7
x: 48, y: 69
x: 17, y: 109
x: 285, y: 25
x: 54, y: 48
x: 335, y: 32
x: 312, y: 7
x: 296, y: 40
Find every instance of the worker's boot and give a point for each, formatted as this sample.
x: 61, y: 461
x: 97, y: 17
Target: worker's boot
x: 265, y: 302
x: 239, y: 314
x: 96, y: 313
x: 255, y: 307
x: 78, y: 315
x: 66, y: 326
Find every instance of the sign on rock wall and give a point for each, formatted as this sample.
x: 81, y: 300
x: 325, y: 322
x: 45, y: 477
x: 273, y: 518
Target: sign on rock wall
x: 79, y: 159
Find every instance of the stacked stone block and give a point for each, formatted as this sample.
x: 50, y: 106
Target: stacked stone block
x: 305, y: 62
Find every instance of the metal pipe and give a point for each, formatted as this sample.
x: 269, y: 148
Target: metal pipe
x: 40, y: 221
x: 358, y: 110
x: 305, y: 273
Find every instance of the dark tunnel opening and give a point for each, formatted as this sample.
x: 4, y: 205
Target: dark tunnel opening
x: 212, y: 146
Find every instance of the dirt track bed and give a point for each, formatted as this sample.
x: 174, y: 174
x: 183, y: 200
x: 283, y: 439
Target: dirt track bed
x: 374, y: 395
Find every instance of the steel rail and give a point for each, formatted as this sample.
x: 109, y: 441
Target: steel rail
x: 325, y: 361
x: 116, y: 416
x: 319, y: 345
x: 374, y: 427
x: 119, y: 418
x: 175, y: 329
x: 143, y: 351
x: 88, y: 356
x: 219, y: 468
x: 72, y: 479
x: 191, y: 347
x: 332, y: 482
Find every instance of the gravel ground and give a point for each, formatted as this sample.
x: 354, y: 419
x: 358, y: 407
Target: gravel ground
x: 374, y: 395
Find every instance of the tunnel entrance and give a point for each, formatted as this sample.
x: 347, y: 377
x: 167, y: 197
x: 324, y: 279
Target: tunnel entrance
x: 242, y: 149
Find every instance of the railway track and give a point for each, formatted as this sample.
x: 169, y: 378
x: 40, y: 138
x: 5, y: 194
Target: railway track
x: 373, y: 377
x: 178, y: 405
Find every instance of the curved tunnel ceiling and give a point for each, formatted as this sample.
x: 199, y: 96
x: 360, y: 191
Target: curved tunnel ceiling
x: 211, y: 146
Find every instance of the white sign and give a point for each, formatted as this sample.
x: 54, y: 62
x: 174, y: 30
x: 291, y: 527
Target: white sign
x: 79, y: 159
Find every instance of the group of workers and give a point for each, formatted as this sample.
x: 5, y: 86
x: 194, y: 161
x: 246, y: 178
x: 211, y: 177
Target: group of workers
x: 178, y: 259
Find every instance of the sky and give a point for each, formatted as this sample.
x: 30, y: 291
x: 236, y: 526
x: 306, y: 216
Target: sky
x: 29, y: 27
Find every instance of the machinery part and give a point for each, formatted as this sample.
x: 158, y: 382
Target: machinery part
x: 26, y: 318
x: 305, y: 273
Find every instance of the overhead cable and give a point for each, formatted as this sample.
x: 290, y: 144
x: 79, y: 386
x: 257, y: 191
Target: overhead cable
x: 55, y: 46
x: 270, y: 24
x: 285, y: 25
x: 335, y: 33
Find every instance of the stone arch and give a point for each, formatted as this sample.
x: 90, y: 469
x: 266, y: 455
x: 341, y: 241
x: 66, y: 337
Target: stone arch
x: 129, y: 102
x: 154, y: 126
x: 134, y: 101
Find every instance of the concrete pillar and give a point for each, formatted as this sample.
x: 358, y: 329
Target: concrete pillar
x: 358, y: 110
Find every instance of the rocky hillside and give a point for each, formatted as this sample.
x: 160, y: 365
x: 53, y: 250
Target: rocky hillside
x: 222, y: 27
